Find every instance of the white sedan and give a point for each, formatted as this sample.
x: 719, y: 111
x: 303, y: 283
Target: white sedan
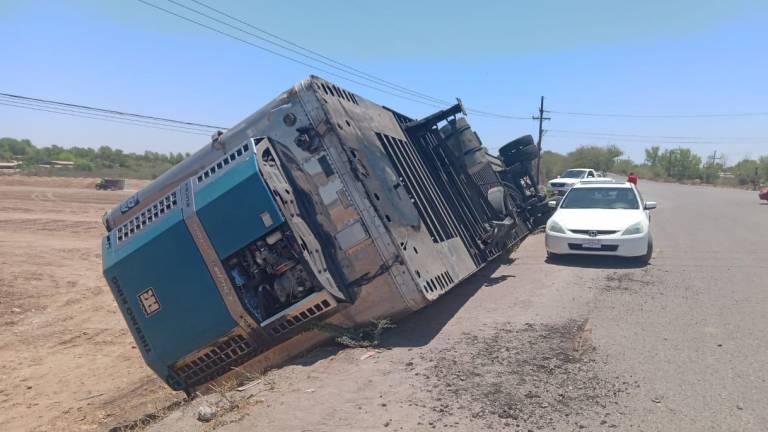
x: 601, y: 217
x: 570, y: 177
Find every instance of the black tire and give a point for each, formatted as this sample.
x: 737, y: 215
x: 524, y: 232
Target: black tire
x: 515, y: 144
x: 522, y: 154
x: 645, y: 259
x: 521, y: 149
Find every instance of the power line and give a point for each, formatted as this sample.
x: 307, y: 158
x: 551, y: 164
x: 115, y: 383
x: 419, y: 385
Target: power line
x: 95, y: 117
x: 322, y: 58
x: 588, y: 114
x: 58, y: 108
x: 641, y: 140
x: 110, y: 111
x: 404, y: 92
x: 608, y: 134
x: 271, y: 51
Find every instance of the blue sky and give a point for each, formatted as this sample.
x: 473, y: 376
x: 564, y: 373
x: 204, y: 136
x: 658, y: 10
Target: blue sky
x: 651, y: 57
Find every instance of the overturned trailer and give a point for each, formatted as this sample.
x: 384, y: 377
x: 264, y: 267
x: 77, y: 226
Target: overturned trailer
x: 320, y: 207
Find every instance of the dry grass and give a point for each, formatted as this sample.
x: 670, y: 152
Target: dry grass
x: 358, y: 337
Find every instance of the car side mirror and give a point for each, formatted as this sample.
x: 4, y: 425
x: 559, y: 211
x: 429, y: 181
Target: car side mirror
x: 650, y: 205
x: 553, y: 203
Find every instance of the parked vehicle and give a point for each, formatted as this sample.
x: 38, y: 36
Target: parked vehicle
x: 110, y: 184
x: 320, y: 208
x: 601, y: 218
x: 570, y: 177
x: 763, y: 194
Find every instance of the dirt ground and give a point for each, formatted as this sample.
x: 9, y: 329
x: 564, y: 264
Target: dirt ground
x: 67, y: 360
x: 526, y: 344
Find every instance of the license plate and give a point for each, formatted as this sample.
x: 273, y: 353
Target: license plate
x: 591, y: 244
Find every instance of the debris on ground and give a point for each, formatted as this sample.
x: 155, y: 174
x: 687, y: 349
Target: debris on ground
x: 536, y: 376
x: 249, y: 385
x: 206, y: 413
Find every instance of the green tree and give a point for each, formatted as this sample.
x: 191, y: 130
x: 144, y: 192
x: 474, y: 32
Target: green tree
x: 103, y: 161
x: 763, y: 168
x: 624, y: 166
x: 11, y: 148
x: 82, y: 165
x: 745, y: 170
x: 599, y: 158
x: 652, y: 155
x: 680, y: 163
x: 552, y: 164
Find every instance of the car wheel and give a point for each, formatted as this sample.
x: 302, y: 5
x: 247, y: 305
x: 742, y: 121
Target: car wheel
x: 645, y: 259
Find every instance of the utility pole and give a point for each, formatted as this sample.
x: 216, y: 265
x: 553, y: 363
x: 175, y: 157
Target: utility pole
x: 712, y: 158
x: 541, y: 119
x: 755, y: 179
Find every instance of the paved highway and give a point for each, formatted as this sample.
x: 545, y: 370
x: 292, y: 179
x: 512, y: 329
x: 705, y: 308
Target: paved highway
x: 693, y: 329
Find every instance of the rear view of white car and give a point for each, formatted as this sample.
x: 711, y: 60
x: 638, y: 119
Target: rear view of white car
x: 602, y: 217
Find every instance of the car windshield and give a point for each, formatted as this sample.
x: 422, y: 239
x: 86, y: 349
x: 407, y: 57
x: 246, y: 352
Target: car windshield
x: 575, y: 174
x: 600, y: 198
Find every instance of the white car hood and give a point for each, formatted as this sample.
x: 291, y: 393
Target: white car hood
x: 570, y: 181
x: 597, y: 219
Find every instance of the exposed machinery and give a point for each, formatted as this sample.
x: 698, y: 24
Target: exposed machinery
x: 320, y: 207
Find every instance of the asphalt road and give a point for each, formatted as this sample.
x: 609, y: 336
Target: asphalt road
x: 577, y: 344
x: 693, y: 330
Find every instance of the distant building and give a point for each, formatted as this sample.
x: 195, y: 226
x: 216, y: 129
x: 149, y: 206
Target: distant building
x: 57, y: 164
x: 11, y: 166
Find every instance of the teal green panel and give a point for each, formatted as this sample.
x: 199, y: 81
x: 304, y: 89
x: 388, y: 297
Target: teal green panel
x: 192, y: 313
x: 232, y: 208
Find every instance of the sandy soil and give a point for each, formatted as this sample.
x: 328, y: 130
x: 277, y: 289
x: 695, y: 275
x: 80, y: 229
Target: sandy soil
x: 67, y: 360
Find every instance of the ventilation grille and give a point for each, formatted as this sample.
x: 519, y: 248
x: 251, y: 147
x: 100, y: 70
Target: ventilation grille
x: 215, y: 167
x: 439, y: 283
x: 147, y: 216
x: 216, y: 360
x: 338, y: 92
x: 300, y: 316
x: 485, y: 177
x: 421, y: 188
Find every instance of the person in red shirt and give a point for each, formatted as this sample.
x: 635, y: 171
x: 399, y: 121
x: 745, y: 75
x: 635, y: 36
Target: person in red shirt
x: 632, y: 178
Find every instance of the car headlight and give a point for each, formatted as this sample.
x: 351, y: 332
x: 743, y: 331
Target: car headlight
x: 635, y: 228
x: 555, y: 227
